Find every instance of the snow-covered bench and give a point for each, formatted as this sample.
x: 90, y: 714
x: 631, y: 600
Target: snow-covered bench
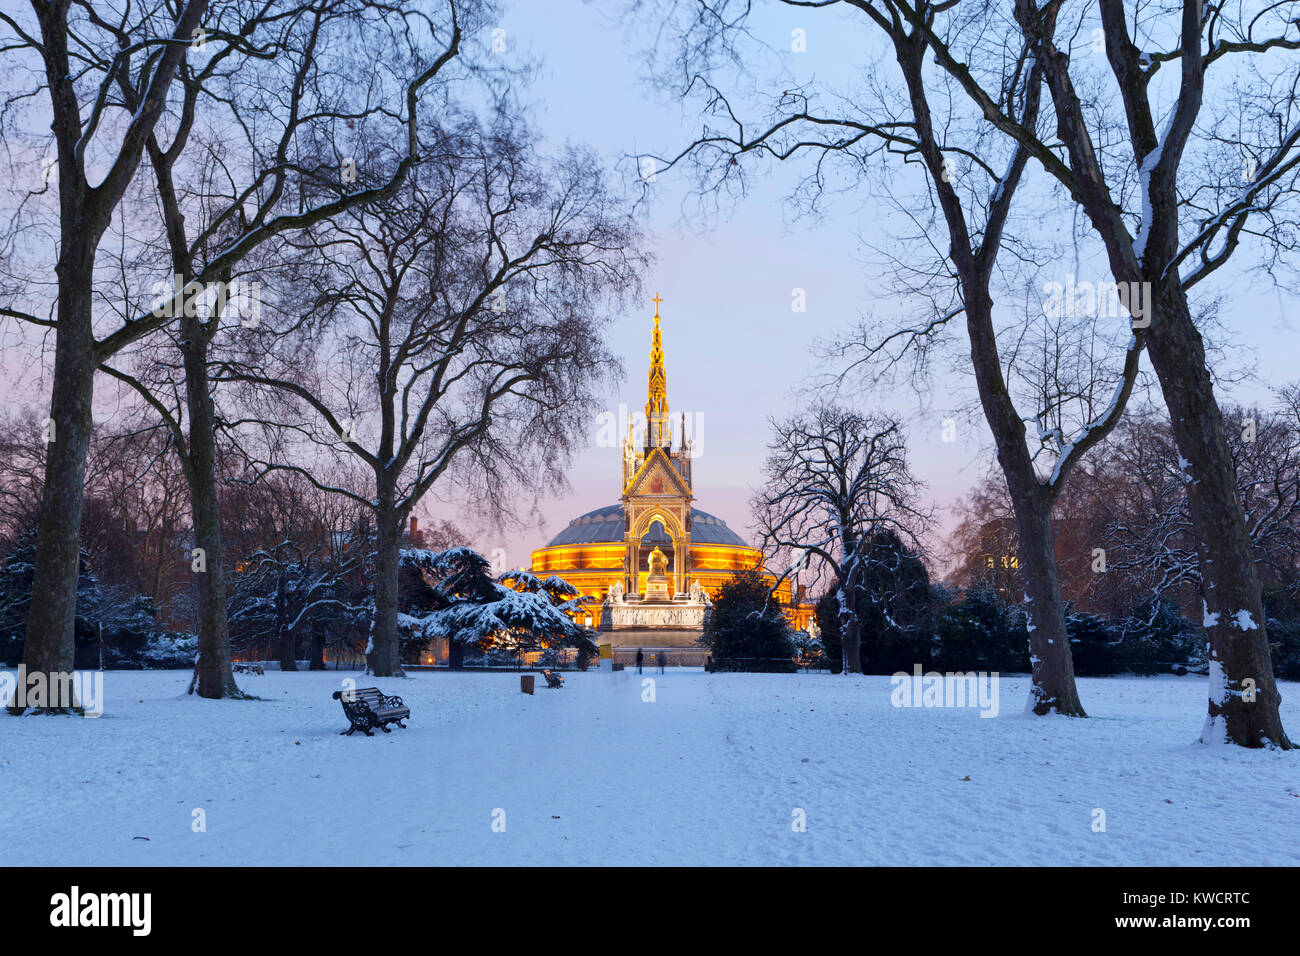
x: 367, y: 709
x: 553, y: 679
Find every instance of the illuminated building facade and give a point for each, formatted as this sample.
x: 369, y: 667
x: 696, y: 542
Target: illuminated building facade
x: 611, y: 546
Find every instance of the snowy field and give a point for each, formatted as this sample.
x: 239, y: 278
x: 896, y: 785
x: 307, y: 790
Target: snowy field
x: 711, y: 772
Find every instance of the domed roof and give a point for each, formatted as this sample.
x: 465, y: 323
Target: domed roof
x: 605, y: 526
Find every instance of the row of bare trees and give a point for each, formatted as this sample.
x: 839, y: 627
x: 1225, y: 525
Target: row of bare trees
x: 368, y: 266
x: 135, y: 518
x: 1172, y: 131
x: 1123, y: 531
x: 137, y: 532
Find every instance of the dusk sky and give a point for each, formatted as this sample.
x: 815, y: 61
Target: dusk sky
x: 736, y: 352
x: 735, y: 348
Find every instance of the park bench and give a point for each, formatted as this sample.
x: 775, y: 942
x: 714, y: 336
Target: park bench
x: 553, y: 680
x: 367, y: 709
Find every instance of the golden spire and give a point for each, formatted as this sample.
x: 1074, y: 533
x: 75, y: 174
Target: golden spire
x: 658, y: 432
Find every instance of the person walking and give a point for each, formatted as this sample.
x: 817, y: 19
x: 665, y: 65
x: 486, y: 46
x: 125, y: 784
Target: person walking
x: 639, y: 658
x: 662, y: 661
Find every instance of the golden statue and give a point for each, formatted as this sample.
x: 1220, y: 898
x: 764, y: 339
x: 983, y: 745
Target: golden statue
x: 656, y: 585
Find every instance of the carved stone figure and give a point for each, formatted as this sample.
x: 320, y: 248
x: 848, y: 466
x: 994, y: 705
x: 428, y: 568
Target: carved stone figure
x: 698, y: 594
x: 814, y: 631
x: 656, y: 615
x: 616, y: 593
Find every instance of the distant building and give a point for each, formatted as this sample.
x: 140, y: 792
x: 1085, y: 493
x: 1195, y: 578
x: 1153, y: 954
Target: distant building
x: 611, y: 546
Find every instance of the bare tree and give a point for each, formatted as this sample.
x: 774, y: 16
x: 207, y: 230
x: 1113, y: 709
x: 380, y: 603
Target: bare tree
x: 836, y: 481
x: 983, y: 548
x: 1149, y: 534
x: 452, y: 333
x: 22, y: 450
x: 1162, y: 238
x: 972, y: 180
x: 80, y: 106
x: 130, y: 67
x: 134, y: 519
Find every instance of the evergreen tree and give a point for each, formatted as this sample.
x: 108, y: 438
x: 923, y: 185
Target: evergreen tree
x: 121, y: 624
x: 982, y: 633
x: 746, y: 630
x: 283, y: 596
x: 562, y: 595
x: 474, y: 611
x: 828, y: 619
x: 896, y: 607
x: 809, y: 652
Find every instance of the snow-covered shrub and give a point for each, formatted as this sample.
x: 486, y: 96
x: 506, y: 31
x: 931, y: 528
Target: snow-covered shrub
x: 122, y: 623
x: 1151, y: 639
x: 170, y: 650
x: 1154, y: 637
x: 1284, y: 642
x: 503, y: 655
x: 982, y: 633
x: 551, y: 657
x: 1094, y: 643
x: 1282, y: 608
x: 809, y: 652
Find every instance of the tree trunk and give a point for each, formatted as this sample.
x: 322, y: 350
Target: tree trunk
x: 49, y: 646
x: 215, y: 677
x: 287, y: 644
x: 850, y: 635
x: 317, y: 650
x: 384, y: 652
x: 1244, y: 698
x: 288, y: 651
x: 455, y: 656
x: 1054, y: 689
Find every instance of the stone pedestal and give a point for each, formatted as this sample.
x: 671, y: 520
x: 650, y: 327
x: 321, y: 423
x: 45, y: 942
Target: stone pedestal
x: 642, y: 616
x: 656, y: 590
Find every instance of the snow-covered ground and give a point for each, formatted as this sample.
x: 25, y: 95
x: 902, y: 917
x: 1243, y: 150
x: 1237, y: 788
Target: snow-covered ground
x: 712, y: 771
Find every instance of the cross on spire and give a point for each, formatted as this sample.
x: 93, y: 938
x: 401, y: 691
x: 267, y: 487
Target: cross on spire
x: 656, y: 300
